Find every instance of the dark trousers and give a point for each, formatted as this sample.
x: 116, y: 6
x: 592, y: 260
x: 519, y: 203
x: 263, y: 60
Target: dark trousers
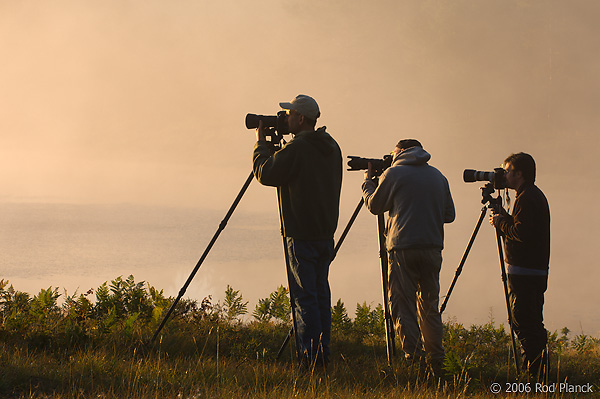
x: 413, y: 289
x: 309, y: 287
x: 526, y: 295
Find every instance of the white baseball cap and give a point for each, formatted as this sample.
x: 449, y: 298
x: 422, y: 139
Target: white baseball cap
x: 304, y: 105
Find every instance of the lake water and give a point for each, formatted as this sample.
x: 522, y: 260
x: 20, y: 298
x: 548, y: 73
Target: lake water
x: 78, y: 247
x: 82, y: 246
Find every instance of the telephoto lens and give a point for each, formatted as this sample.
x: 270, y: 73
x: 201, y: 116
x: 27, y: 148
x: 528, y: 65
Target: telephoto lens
x: 253, y: 119
x: 379, y: 165
x: 496, y: 177
x: 472, y: 175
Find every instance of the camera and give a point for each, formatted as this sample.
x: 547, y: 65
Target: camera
x: 275, y: 126
x: 496, y: 177
x: 379, y: 165
x: 274, y: 122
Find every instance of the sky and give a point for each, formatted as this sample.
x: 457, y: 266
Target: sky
x: 143, y: 103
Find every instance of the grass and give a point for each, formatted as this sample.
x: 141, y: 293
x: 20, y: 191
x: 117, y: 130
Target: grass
x: 100, y: 350
x: 226, y: 361
x: 115, y: 373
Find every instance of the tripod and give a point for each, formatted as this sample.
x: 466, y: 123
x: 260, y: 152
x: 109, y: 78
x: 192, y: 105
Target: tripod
x: 223, y: 224
x: 489, y: 203
x: 335, y: 251
x: 221, y: 227
x: 389, y: 329
x: 205, y: 254
x: 389, y: 325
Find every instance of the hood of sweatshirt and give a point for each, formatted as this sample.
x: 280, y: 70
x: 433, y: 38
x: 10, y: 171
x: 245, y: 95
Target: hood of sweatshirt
x: 412, y: 156
x: 320, y: 139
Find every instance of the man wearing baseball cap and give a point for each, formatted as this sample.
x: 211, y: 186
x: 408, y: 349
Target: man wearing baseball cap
x: 304, y: 105
x: 307, y: 172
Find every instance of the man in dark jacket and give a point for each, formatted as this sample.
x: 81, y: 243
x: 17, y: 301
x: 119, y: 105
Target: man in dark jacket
x: 307, y: 172
x: 527, y: 247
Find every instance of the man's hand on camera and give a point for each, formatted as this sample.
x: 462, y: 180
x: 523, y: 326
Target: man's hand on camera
x: 260, y: 132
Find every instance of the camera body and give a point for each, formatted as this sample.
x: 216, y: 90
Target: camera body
x: 275, y: 126
x: 497, y: 177
x: 379, y: 165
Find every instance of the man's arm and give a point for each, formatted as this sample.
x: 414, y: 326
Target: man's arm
x: 276, y: 169
x: 376, y: 196
x: 272, y: 169
x: 521, y: 226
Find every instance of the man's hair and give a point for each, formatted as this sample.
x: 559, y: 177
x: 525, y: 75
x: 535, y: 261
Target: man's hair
x: 523, y: 162
x: 408, y: 143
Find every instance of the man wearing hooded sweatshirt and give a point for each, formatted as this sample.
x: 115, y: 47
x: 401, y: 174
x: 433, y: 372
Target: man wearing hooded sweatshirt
x: 308, y: 174
x: 417, y: 197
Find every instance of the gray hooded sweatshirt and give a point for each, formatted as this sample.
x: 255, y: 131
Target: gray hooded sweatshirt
x: 417, y: 197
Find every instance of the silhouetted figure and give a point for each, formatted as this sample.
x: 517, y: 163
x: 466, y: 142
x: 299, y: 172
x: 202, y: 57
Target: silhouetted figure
x: 526, y: 235
x: 417, y: 197
x: 308, y: 172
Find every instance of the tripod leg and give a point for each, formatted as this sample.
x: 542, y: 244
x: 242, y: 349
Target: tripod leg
x: 464, y: 258
x: 285, y: 342
x: 294, y: 329
x: 389, y: 325
x: 347, y: 229
x: 510, y: 315
x: 205, y: 254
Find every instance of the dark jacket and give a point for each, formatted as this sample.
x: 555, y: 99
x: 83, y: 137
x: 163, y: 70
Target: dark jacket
x: 308, y: 173
x: 418, y: 199
x: 527, y: 230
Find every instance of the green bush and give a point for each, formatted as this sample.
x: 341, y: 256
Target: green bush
x: 124, y: 314
x: 276, y: 306
x: 122, y: 309
x: 96, y: 345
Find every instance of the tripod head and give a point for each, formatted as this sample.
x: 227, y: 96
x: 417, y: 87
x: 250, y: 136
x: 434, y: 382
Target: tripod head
x: 492, y: 203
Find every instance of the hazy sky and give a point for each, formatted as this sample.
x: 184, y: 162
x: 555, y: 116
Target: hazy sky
x: 143, y: 102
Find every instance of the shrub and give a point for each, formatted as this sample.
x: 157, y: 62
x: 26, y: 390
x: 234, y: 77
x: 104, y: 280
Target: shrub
x: 340, y: 321
x: 277, y: 306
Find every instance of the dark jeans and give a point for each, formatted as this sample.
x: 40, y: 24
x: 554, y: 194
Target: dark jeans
x: 526, y: 295
x: 309, y: 288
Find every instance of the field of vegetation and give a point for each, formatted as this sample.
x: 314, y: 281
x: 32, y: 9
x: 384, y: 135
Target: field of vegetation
x: 97, y: 345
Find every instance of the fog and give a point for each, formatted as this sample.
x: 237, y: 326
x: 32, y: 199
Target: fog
x: 143, y: 103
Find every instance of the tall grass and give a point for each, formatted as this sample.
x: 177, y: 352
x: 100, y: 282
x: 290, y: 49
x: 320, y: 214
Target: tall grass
x: 99, y: 348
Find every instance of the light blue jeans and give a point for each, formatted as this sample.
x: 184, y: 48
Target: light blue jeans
x: 309, y: 288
